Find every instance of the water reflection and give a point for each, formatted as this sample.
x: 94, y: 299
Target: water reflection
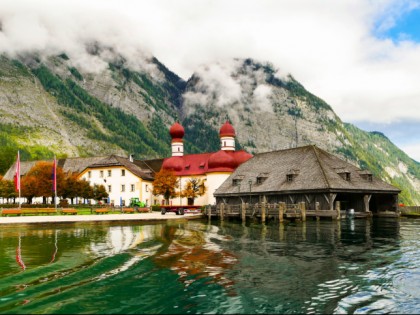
x: 354, y: 266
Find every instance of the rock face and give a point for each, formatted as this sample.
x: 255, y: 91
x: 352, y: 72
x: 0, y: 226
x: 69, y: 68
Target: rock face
x: 49, y: 106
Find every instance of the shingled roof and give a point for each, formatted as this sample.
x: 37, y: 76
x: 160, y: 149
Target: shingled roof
x: 73, y: 165
x: 115, y: 160
x: 302, y: 169
x: 77, y: 165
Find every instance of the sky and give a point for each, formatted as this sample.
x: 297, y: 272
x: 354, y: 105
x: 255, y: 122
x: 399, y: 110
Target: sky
x: 361, y: 56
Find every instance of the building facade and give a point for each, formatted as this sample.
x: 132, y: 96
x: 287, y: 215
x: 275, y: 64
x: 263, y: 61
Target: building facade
x: 212, y: 168
x: 122, y: 179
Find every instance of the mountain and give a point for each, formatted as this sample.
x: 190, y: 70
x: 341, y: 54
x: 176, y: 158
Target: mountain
x: 50, y: 105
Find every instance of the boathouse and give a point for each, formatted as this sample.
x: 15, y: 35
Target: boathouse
x: 310, y: 176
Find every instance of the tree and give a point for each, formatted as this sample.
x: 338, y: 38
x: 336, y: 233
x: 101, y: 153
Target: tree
x: 194, y: 188
x: 85, y: 190
x: 43, y: 183
x: 7, y: 189
x: 29, y: 186
x: 99, y: 192
x: 165, y: 184
x: 73, y: 187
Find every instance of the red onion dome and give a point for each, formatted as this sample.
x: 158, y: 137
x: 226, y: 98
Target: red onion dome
x: 221, y: 159
x: 242, y: 156
x: 227, y: 130
x: 175, y: 163
x: 176, y: 131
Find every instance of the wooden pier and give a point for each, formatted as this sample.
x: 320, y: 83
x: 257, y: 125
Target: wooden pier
x: 282, y: 211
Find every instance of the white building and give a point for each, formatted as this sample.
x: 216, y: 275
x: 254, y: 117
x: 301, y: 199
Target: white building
x: 122, y: 178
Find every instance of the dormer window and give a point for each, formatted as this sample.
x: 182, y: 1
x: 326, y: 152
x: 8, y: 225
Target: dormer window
x: 366, y: 175
x: 344, y: 173
x: 261, y: 178
x: 202, y: 165
x: 291, y: 175
x: 237, y: 180
x: 187, y: 167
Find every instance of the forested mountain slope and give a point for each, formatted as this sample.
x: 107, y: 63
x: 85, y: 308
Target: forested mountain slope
x: 51, y: 106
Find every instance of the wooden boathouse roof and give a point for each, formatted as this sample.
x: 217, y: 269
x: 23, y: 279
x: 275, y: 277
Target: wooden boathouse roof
x: 302, y: 169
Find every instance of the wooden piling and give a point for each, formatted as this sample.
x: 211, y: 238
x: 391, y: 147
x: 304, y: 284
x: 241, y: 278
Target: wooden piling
x: 282, y: 208
x: 263, y: 212
x: 243, y: 211
x: 338, y: 209
x: 317, y: 208
x: 222, y: 210
x: 303, y: 211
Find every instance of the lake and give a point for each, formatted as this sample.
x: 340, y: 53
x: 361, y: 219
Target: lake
x: 350, y: 266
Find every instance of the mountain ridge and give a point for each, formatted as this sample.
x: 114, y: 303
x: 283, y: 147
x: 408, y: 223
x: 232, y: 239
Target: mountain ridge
x: 50, y: 106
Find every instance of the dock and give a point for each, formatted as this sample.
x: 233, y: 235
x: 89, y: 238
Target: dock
x: 282, y: 211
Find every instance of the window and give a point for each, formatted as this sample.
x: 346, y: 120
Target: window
x: 109, y: 173
x: 132, y: 187
x: 122, y: 188
x: 369, y: 177
x: 122, y: 172
x: 147, y: 188
x: 89, y: 174
x: 101, y: 174
x: 347, y: 177
x: 109, y: 188
x: 289, y: 177
x: 261, y: 178
x: 236, y: 182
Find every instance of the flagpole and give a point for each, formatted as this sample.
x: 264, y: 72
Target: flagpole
x: 18, y: 177
x: 55, y: 182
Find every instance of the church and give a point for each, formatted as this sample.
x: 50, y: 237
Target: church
x: 211, y: 168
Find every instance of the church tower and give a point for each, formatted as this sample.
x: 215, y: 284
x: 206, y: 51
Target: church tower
x: 177, y: 133
x: 227, y: 137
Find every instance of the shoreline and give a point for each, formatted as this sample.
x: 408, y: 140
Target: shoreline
x: 153, y: 216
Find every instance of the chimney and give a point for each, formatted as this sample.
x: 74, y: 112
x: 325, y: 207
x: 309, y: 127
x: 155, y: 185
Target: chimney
x: 131, y: 158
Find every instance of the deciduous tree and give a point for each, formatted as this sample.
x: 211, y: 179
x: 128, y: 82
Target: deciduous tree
x: 165, y: 184
x: 194, y: 188
x: 43, y: 173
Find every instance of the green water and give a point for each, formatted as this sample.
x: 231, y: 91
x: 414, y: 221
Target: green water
x: 358, y: 266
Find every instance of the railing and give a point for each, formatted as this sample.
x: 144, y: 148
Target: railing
x: 278, y: 211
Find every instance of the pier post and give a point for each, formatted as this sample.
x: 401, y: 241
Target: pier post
x: 282, y: 207
x: 303, y: 211
x: 317, y: 209
x: 338, y: 209
x: 263, y: 211
x: 243, y: 211
x: 209, y: 212
x: 222, y: 210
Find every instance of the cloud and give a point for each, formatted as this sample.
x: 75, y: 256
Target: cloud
x: 412, y: 150
x: 330, y: 46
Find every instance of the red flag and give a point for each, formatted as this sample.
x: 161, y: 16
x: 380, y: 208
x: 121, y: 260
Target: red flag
x: 17, y: 173
x: 55, y: 175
